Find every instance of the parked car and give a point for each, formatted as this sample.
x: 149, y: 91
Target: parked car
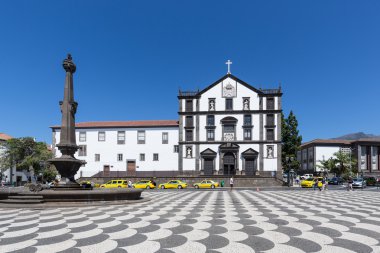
x: 173, y: 184
x: 359, y: 183
x: 115, y: 184
x: 144, y: 184
x: 309, y: 183
x: 370, y: 181
x: 87, y: 184
x: 335, y: 180
x: 306, y: 176
x: 206, y: 184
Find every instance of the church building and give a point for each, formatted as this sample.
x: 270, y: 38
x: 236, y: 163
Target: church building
x: 228, y: 128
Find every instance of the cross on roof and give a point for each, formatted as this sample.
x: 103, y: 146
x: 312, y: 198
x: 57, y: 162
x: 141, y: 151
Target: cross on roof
x: 229, y: 65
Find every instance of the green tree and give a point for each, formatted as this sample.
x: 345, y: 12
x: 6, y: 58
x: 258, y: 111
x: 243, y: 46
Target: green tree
x: 291, y: 140
x: 330, y: 165
x: 26, y: 154
x: 346, y: 164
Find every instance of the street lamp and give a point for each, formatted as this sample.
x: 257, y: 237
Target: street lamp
x: 289, y: 161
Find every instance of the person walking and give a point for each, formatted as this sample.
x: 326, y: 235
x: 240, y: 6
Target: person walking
x: 231, y: 183
x: 350, y: 182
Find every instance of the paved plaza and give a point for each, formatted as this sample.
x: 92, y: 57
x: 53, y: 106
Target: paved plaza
x: 203, y: 221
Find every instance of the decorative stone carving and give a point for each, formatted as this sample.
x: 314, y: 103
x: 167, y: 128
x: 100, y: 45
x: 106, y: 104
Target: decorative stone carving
x: 229, y: 137
x: 269, y: 151
x: 246, y: 104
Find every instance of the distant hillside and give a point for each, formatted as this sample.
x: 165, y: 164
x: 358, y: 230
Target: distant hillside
x: 356, y: 136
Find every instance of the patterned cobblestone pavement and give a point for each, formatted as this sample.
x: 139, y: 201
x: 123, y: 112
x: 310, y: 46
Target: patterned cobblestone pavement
x: 203, y: 221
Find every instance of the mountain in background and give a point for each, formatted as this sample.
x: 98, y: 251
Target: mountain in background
x: 356, y: 136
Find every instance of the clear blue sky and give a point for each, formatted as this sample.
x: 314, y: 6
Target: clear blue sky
x: 132, y: 56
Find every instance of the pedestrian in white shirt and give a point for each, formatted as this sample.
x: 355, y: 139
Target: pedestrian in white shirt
x: 231, y: 183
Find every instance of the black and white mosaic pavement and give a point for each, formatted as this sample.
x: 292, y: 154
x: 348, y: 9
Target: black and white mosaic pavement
x: 203, y: 221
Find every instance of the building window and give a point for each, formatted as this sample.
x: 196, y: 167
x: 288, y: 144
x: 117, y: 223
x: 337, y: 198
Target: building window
x: 228, y: 132
x: 210, y: 120
x: 270, y: 119
x: 140, y: 137
x: 176, y: 148
x: 82, y: 136
x: 247, y: 120
x: 155, y: 157
x: 247, y: 134
x: 119, y: 157
x: 101, y: 136
x: 97, y: 157
x: 82, y: 150
x: 165, y: 138
x: 270, y: 135
x: 229, y: 104
x: 270, y: 103
x: 189, y: 135
x: 142, y: 157
x: 189, y: 106
x: 210, y: 134
x: 189, y: 121
x: 211, y: 104
x: 120, y: 137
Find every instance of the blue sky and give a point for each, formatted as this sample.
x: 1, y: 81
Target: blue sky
x: 133, y: 56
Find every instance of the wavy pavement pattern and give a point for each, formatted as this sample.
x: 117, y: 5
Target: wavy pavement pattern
x: 203, y: 221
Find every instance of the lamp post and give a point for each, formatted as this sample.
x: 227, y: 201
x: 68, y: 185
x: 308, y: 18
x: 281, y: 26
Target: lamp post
x: 289, y: 161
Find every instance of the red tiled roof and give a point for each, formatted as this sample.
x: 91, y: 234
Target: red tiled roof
x: 5, y: 137
x: 142, y: 123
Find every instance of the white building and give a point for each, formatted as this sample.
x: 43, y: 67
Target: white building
x: 227, y: 128
x: 365, y: 151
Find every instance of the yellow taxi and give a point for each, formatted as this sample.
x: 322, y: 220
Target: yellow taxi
x: 309, y: 183
x: 115, y: 184
x: 206, y: 184
x: 173, y: 184
x: 144, y: 184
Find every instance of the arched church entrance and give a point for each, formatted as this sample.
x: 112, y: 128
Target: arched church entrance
x: 229, y: 163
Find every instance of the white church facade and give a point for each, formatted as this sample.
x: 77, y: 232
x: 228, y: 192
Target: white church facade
x: 228, y: 128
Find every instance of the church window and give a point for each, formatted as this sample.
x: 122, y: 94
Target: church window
x: 229, y: 104
x: 210, y: 120
x: 142, y: 157
x: 210, y: 134
x: 82, y: 136
x: 176, y: 148
x: 270, y: 103
x: 141, y: 137
x: 82, y: 150
x: 189, y: 135
x: 270, y: 119
x: 101, y: 136
x: 165, y: 138
x: 155, y: 157
x: 119, y: 157
x: 270, y: 134
x: 189, y: 106
x: 247, y: 134
x: 120, y: 137
x: 247, y: 120
x: 189, y: 121
x: 97, y: 157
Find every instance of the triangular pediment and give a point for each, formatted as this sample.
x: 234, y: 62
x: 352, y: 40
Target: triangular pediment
x: 250, y: 152
x: 208, y: 152
x: 230, y: 76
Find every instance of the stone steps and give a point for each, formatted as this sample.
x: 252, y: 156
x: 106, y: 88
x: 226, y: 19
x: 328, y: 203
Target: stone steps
x: 23, y: 199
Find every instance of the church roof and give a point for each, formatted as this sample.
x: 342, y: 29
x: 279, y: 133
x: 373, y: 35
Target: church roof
x: 261, y: 92
x: 115, y: 124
